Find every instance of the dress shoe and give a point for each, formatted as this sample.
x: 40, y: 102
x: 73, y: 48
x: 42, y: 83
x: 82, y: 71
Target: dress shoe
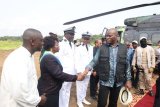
x: 151, y: 93
x: 86, y: 102
x: 80, y: 104
x: 140, y: 92
x: 94, y: 97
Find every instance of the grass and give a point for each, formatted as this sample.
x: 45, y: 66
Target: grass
x: 9, y: 44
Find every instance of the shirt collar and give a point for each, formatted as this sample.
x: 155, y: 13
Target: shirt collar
x: 112, y: 46
x: 26, y: 51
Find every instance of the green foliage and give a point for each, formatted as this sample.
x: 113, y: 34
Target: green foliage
x: 10, y: 44
x: 95, y: 37
x: 11, y: 38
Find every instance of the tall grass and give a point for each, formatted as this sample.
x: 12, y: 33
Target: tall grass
x: 10, y: 44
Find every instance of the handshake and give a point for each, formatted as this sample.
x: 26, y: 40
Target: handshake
x: 82, y: 75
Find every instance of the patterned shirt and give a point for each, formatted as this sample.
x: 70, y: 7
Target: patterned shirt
x: 113, y: 62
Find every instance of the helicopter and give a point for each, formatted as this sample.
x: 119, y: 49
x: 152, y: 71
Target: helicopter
x: 136, y: 27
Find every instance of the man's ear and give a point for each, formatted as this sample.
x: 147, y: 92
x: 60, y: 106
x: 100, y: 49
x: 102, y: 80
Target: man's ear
x: 32, y: 42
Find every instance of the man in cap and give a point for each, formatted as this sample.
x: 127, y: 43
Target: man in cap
x: 149, y: 42
x: 19, y: 80
x: 114, y: 69
x: 66, y: 55
x: 134, y: 73
x: 84, y: 54
x: 144, y: 57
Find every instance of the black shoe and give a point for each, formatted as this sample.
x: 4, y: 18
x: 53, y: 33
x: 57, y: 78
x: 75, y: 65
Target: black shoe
x: 94, y: 97
x: 140, y: 92
x: 151, y: 93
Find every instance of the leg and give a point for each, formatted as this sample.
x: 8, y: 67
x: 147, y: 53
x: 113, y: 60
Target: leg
x: 93, y: 85
x: 141, y: 80
x: 157, y: 96
x: 79, y: 90
x: 52, y: 100
x: 81, y: 87
x: 103, y: 96
x: 85, y: 86
x: 148, y: 77
x: 64, y: 94
x: 133, y: 78
x: 137, y: 79
x: 113, y: 98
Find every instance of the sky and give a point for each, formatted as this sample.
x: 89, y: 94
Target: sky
x: 49, y: 15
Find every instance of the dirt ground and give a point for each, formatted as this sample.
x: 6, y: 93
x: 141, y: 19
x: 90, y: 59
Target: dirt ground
x: 4, y: 54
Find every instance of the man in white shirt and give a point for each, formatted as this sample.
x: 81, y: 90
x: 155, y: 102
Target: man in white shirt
x: 66, y: 56
x: 84, y: 54
x: 18, y: 86
x: 144, y: 57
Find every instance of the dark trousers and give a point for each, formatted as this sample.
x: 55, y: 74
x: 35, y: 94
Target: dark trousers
x: 103, y: 96
x: 93, y: 85
x: 157, y: 96
x: 158, y: 67
x: 52, y: 100
x: 136, y: 78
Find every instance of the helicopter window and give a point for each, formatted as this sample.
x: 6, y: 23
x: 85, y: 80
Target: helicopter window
x: 155, y: 38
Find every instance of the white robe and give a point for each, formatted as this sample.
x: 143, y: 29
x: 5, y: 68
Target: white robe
x: 18, y: 86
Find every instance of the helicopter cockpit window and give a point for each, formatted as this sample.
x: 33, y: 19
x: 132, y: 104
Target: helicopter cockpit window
x: 143, y: 35
x: 155, y: 38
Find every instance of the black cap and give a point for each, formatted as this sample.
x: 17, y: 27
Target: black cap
x: 86, y: 34
x: 70, y: 30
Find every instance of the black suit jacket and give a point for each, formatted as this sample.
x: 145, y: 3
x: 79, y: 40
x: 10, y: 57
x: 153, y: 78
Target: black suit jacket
x: 52, y: 75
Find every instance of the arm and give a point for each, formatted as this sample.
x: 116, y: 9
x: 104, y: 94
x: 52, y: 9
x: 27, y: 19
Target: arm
x: 128, y: 83
x: 94, y: 60
x: 55, y: 69
x: 153, y: 58
x: 128, y: 68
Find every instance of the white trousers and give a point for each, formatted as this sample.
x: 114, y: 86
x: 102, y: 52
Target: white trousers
x: 81, y: 87
x: 64, y: 94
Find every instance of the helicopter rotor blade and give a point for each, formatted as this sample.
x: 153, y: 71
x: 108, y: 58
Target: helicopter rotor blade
x: 111, y: 12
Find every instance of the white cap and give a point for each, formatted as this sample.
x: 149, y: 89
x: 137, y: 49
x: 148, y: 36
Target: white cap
x: 125, y: 96
x: 86, y: 34
x: 135, y: 42
x: 142, y: 38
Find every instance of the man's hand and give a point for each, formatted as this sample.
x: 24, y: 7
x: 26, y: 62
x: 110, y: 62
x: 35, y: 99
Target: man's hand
x: 134, y: 69
x: 43, y: 100
x: 151, y: 69
x: 80, y: 76
x: 85, y: 72
x: 140, y: 67
x: 128, y: 84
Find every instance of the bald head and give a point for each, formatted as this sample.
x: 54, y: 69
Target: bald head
x: 112, y: 31
x: 32, y: 40
x: 30, y: 34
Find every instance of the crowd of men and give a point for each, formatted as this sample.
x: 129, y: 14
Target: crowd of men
x: 107, y: 67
